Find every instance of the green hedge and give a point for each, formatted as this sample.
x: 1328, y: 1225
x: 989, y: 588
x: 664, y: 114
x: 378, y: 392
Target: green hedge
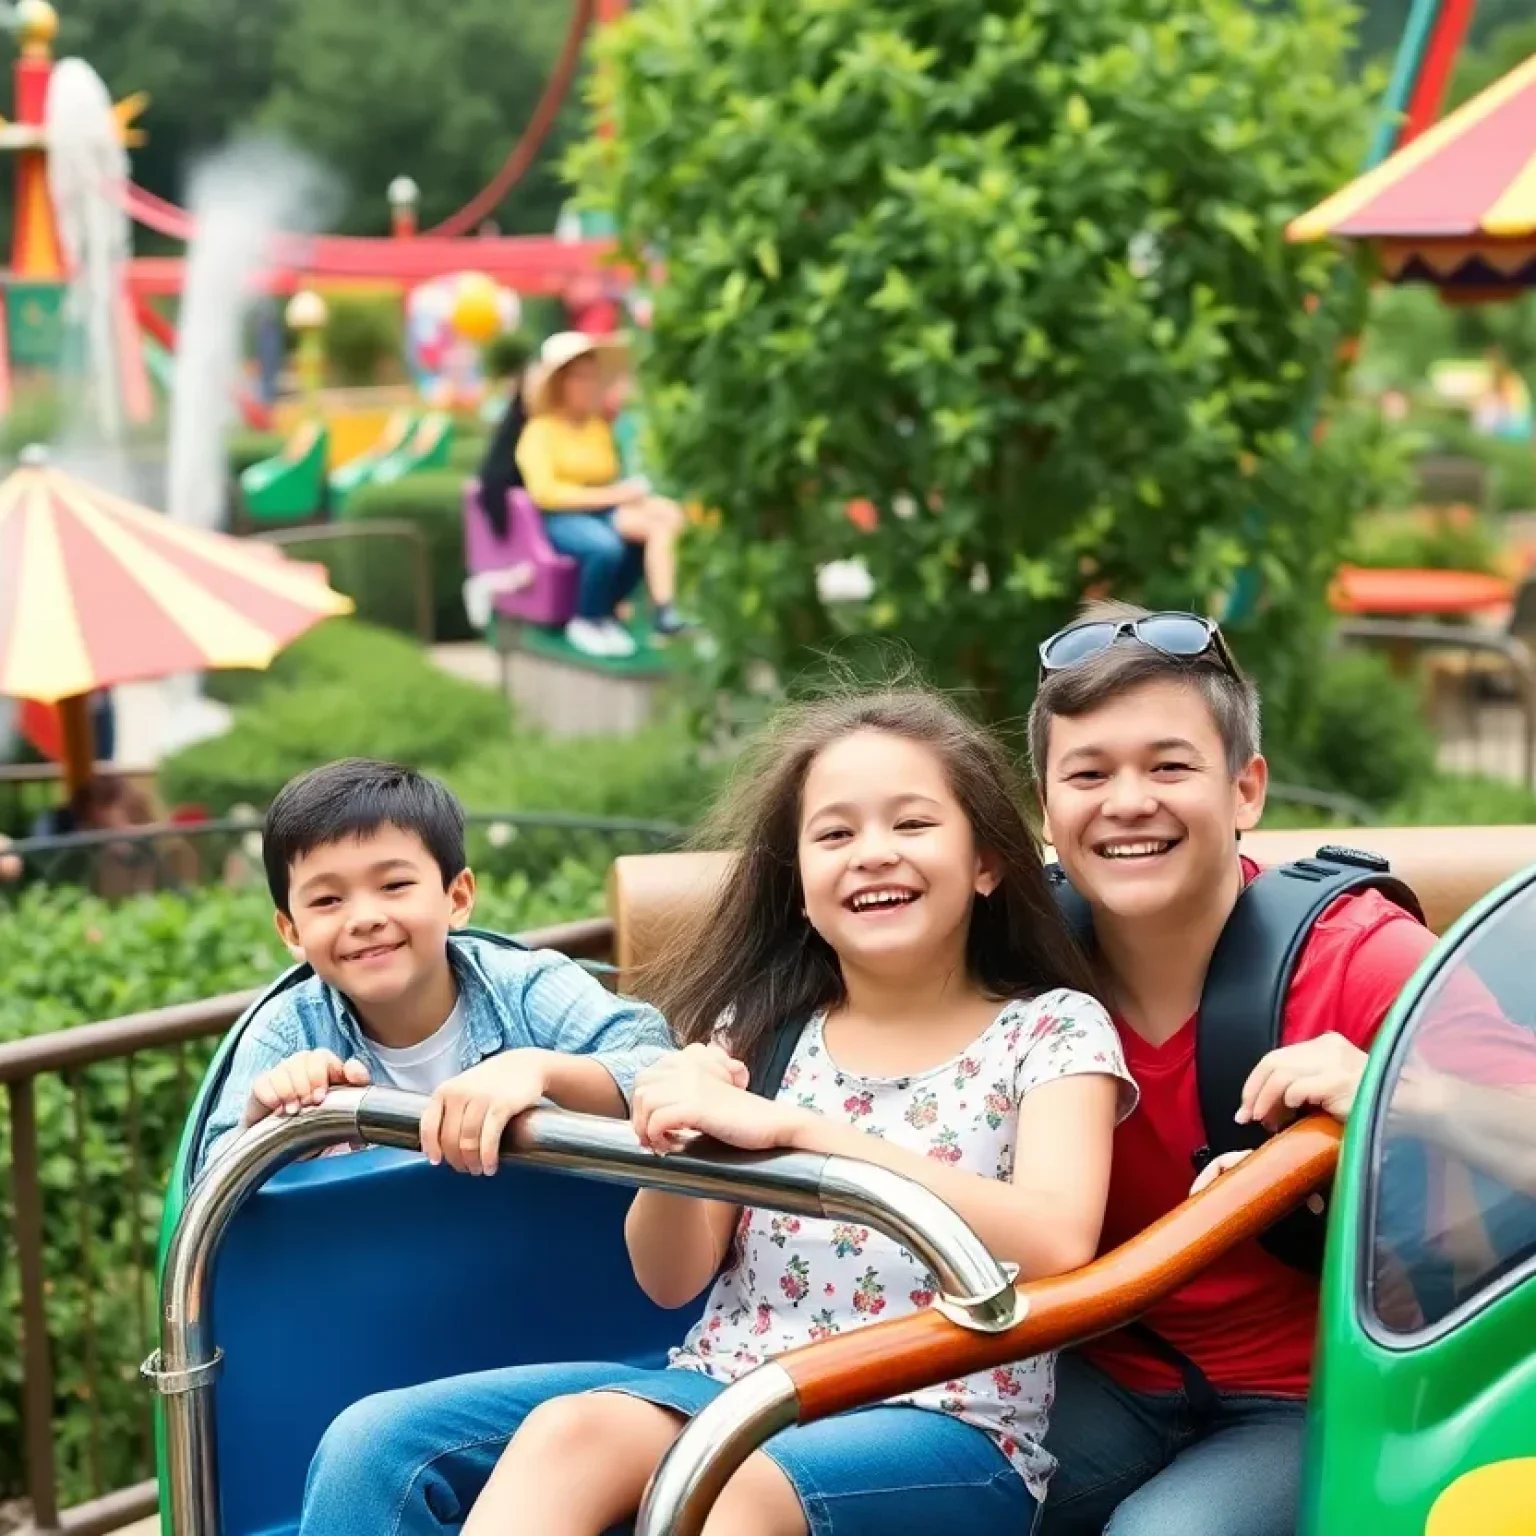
x: 365, y: 692
x: 434, y: 501
x: 248, y: 446
x: 68, y: 960
x: 1471, y: 543
x: 1363, y: 732
x: 349, y: 687
x: 363, y: 334
x: 336, y: 651
x: 467, y: 454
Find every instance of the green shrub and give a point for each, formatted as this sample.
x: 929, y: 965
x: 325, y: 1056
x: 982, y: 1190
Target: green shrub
x: 1463, y: 800
x: 1438, y: 542
x: 248, y: 446
x: 947, y: 259
x: 1360, y: 732
x: 434, y: 501
x: 364, y: 692
x: 505, y: 354
x: 337, y: 651
x: 1514, y: 475
x: 362, y: 334
x: 656, y: 775
x: 68, y: 960
x: 467, y: 453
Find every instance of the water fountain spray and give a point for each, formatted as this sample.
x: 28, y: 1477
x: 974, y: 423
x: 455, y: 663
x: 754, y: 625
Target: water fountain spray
x: 86, y: 165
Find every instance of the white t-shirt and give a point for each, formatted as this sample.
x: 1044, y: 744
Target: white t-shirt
x: 422, y: 1067
x: 791, y: 1280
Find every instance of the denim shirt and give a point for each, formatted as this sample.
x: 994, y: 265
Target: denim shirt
x: 510, y: 997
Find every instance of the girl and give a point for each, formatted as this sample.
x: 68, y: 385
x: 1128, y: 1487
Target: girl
x: 569, y: 463
x: 889, y: 892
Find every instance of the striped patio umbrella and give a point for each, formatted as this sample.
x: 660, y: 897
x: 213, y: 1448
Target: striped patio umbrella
x: 95, y: 590
x: 1456, y: 207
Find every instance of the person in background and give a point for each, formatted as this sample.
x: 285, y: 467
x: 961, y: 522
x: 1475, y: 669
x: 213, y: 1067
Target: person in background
x: 614, y: 528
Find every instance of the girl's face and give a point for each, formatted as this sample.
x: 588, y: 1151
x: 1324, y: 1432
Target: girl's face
x: 581, y: 387
x: 888, y: 861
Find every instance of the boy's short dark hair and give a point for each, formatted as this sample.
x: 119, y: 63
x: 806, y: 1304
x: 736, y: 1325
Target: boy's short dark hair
x: 353, y: 798
x: 1229, y: 695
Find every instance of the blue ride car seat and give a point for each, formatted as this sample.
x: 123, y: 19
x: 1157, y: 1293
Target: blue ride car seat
x: 349, y: 1275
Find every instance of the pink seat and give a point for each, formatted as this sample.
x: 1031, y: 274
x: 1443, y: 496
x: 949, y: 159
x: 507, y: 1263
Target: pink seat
x: 550, y: 595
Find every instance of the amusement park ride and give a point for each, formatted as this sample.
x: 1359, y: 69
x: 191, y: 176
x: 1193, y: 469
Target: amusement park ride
x: 36, y: 282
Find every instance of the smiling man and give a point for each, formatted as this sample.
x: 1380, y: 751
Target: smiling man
x: 1145, y: 742
x: 367, y: 869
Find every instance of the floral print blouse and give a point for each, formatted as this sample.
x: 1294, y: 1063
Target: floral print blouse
x: 790, y: 1280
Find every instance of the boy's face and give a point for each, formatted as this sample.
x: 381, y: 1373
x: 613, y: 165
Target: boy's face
x: 1140, y: 804
x: 372, y: 917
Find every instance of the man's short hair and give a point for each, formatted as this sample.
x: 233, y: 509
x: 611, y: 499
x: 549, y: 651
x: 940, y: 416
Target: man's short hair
x: 356, y: 797
x: 1126, y: 665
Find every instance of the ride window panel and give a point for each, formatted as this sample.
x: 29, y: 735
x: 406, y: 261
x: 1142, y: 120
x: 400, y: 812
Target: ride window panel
x: 1453, y: 1209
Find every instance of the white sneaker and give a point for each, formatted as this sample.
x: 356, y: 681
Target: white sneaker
x: 482, y: 590
x: 477, y: 602
x: 618, y: 639
x: 588, y: 637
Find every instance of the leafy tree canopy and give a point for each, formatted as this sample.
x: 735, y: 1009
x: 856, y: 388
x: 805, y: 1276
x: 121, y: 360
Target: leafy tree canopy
x: 1012, y: 270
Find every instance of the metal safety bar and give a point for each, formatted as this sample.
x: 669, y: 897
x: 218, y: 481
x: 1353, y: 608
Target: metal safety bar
x: 976, y: 1292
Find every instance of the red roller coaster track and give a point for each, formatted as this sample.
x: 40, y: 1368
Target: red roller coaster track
x: 532, y: 264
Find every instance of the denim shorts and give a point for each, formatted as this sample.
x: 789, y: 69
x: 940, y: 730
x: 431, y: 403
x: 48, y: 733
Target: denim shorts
x: 882, y: 1471
x: 412, y: 1462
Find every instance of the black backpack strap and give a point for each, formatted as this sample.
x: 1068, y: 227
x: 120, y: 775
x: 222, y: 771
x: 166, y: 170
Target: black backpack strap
x: 1242, y: 1007
x: 1074, y: 906
x: 772, y: 1058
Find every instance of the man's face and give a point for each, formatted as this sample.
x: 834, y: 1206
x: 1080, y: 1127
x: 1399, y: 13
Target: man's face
x: 1140, y: 804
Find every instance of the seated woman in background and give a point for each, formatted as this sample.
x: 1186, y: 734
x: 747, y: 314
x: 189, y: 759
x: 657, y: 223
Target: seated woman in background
x: 613, y: 528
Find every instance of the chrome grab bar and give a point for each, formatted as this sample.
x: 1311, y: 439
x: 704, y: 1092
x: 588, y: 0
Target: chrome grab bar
x: 977, y: 1292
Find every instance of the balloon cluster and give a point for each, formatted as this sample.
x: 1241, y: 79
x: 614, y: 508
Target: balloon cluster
x: 448, y: 321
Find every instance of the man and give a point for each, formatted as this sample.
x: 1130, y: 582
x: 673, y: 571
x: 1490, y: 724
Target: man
x: 1145, y: 743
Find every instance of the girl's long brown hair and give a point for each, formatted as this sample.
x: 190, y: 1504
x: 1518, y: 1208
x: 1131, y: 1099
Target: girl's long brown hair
x: 756, y: 954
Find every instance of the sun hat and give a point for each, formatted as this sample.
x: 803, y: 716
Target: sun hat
x: 558, y: 353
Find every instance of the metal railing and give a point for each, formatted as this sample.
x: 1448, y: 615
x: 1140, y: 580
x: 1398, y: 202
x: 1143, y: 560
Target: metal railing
x: 976, y: 1291
x: 168, y: 856
x: 83, y: 1327
x: 860, y: 1367
x: 29, y: 789
x: 1485, y: 729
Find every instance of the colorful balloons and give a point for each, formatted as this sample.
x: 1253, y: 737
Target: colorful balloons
x: 476, y: 313
x: 448, y: 320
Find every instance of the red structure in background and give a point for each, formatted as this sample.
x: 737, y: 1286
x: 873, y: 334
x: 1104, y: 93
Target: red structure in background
x: 535, y: 264
x: 1450, y: 31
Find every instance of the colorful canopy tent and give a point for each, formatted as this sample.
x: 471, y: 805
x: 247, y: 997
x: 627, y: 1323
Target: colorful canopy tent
x: 1457, y: 206
x: 96, y: 591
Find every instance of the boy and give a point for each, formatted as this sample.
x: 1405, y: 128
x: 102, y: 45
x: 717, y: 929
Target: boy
x: 365, y: 861
x: 1145, y: 742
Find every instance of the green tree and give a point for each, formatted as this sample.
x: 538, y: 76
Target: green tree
x: 1013, y: 270
x: 379, y: 88
x: 370, y: 90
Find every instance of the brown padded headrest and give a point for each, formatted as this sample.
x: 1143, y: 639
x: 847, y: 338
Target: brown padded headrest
x: 1450, y: 868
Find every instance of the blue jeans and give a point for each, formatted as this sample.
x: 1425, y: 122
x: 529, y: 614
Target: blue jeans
x: 414, y: 1461
x: 611, y: 566
x: 1141, y: 1464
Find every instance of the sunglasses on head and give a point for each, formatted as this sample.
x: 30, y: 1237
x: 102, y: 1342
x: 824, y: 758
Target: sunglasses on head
x: 1185, y: 636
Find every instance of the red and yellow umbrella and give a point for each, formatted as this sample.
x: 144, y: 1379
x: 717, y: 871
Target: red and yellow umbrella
x: 1456, y: 207
x: 95, y: 590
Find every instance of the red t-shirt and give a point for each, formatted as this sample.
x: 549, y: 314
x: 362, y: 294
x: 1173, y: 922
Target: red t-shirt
x: 1248, y: 1321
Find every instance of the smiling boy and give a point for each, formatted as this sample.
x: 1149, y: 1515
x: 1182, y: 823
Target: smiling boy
x: 1145, y: 742
x: 366, y: 866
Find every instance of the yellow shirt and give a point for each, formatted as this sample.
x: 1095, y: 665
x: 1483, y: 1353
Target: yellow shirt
x: 559, y: 460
